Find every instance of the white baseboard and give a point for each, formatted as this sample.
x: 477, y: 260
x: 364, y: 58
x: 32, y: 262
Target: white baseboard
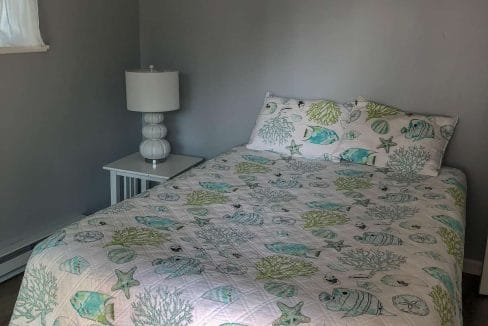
x: 14, y: 257
x: 472, y: 266
x: 14, y: 266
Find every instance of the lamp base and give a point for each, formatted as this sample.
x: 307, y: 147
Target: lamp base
x: 161, y: 160
x: 154, y: 146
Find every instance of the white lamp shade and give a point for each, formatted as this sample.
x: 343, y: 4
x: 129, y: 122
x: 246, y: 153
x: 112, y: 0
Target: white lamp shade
x: 152, y: 91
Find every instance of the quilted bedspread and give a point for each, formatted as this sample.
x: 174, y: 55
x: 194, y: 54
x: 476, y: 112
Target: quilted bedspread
x: 254, y: 238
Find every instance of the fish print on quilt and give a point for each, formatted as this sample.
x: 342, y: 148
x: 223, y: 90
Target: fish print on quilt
x: 256, y: 238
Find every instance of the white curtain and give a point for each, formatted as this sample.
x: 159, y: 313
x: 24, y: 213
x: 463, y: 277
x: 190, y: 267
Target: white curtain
x: 19, y: 23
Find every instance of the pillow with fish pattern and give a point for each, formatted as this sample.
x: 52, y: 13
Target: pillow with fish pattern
x: 407, y: 144
x: 303, y: 128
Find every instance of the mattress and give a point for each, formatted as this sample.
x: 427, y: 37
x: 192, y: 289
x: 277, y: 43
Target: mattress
x: 255, y: 238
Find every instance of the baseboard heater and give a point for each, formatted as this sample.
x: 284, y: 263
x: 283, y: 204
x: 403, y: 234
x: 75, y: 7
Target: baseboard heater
x: 14, y: 262
x: 14, y: 258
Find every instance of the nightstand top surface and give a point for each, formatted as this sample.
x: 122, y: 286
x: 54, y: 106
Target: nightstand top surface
x: 134, y: 164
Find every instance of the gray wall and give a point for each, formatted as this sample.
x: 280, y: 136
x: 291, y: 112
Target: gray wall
x: 425, y: 56
x: 62, y: 115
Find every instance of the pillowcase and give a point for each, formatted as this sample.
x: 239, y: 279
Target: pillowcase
x: 301, y: 128
x: 407, y: 144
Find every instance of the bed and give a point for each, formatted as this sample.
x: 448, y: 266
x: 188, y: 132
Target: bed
x: 255, y: 238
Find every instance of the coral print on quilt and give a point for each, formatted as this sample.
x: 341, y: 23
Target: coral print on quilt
x: 256, y: 238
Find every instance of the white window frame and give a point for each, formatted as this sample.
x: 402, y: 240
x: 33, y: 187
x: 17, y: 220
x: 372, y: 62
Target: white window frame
x: 9, y: 49
x: 23, y: 49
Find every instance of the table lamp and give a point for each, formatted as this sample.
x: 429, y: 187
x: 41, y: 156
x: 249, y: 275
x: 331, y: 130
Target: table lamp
x: 153, y: 92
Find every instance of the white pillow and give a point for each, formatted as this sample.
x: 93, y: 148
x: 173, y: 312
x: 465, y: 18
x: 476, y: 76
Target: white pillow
x: 303, y: 128
x: 408, y: 144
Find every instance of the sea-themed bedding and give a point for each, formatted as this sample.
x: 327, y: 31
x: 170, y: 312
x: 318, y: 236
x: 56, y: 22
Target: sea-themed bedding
x: 386, y: 134
x: 254, y: 238
x: 300, y: 127
x: 362, y: 132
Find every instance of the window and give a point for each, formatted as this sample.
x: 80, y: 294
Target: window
x: 19, y: 27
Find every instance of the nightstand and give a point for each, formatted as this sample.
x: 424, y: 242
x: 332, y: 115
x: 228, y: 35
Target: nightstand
x: 131, y: 175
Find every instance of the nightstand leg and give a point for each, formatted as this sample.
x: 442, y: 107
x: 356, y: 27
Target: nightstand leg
x: 143, y: 185
x: 114, y: 188
x: 126, y: 187
x: 484, y: 274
